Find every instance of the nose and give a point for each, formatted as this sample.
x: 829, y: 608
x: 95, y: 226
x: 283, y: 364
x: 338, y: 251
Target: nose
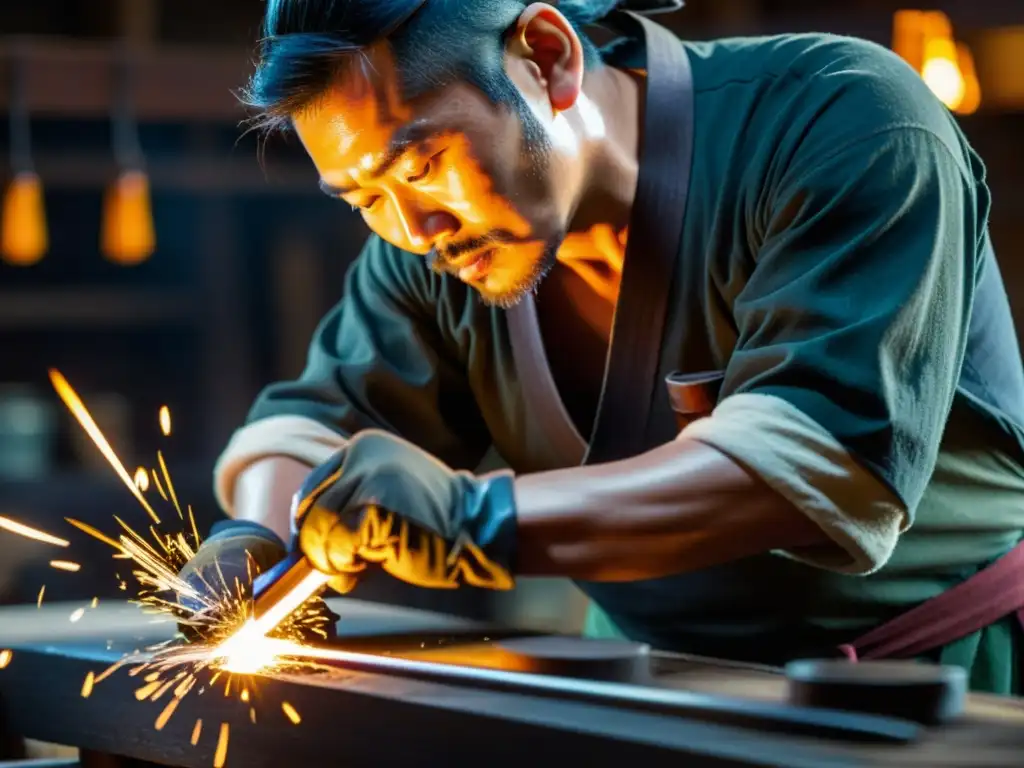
x: 423, y: 224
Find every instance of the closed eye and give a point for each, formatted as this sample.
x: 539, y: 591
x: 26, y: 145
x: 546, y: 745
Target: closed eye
x: 428, y: 169
x: 366, y: 205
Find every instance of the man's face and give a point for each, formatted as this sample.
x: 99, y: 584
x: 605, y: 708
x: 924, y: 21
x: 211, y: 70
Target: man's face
x: 448, y: 175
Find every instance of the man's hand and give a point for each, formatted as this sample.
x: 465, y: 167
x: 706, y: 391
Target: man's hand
x: 383, y: 500
x: 223, y: 570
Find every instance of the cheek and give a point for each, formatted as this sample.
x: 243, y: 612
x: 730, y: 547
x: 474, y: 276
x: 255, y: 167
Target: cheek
x: 481, y: 187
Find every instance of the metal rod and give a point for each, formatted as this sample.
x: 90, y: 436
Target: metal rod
x: 778, y: 718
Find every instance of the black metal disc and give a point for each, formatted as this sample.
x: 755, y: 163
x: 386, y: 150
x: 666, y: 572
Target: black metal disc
x: 925, y: 693
x: 607, y: 660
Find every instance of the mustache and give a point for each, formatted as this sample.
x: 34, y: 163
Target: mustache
x: 439, y: 258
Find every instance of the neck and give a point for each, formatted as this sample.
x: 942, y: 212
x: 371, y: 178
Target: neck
x: 599, y: 224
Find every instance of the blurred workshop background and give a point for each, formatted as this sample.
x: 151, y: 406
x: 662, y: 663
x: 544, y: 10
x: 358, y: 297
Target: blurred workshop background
x: 149, y: 255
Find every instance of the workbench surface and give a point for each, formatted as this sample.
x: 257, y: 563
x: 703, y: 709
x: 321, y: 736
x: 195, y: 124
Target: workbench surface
x: 367, y: 718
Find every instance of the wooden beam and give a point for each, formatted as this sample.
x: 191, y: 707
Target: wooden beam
x: 74, y: 79
x: 25, y: 309
x: 193, y: 173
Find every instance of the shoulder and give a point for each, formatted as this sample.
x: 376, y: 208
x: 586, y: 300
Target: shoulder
x: 818, y: 92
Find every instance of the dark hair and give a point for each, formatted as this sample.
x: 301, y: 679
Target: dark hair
x: 307, y: 45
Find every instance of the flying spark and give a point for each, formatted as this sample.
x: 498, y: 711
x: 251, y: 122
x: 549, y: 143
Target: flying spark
x: 39, y: 600
x: 290, y: 713
x: 5, y: 658
x: 165, y: 420
x: 31, y: 533
x: 81, y: 413
x: 65, y: 565
x: 222, y: 747
x: 215, y: 614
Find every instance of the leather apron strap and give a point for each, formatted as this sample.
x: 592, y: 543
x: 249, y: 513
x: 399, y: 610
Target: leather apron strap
x: 655, y: 233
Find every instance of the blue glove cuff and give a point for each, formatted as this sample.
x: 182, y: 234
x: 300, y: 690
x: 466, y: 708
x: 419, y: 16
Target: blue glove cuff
x: 490, y: 516
x: 228, y: 529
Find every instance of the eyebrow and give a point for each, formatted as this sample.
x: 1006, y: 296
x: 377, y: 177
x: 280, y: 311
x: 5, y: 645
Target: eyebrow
x: 404, y: 138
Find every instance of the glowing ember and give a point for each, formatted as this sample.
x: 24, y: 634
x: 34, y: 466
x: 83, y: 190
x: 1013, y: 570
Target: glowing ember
x: 31, y: 533
x: 76, y: 615
x: 5, y: 658
x: 87, y: 685
x: 95, y: 602
x: 141, y: 479
x: 165, y: 420
x: 197, y: 731
x: 39, y: 600
x: 222, y: 747
x: 290, y: 713
x: 65, y: 565
x: 164, y: 716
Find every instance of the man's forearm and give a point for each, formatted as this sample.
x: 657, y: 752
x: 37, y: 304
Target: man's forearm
x: 264, y: 490
x: 681, y: 507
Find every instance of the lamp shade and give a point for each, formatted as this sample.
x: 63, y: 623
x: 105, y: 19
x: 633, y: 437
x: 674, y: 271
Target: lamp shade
x: 127, y: 236
x: 23, y: 235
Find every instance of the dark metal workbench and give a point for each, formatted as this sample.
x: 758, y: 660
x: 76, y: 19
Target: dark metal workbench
x: 354, y: 717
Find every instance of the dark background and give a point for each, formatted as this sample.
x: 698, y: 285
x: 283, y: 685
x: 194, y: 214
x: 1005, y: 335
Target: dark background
x: 250, y: 255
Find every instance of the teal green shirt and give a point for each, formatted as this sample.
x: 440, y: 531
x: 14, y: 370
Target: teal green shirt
x: 834, y: 254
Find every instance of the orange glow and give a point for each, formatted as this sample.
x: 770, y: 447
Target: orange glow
x: 128, y: 237
x: 23, y: 238
x: 924, y: 39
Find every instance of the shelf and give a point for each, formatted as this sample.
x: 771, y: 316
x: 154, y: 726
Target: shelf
x: 72, y: 78
x: 192, y: 174
x: 28, y: 309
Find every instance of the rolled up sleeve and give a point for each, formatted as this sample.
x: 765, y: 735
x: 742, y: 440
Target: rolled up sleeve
x: 852, y: 331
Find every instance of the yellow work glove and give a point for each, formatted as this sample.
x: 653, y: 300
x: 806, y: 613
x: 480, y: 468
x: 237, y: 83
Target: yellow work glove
x: 381, y: 500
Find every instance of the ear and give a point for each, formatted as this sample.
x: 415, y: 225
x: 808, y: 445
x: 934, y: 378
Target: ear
x: 545, y: 39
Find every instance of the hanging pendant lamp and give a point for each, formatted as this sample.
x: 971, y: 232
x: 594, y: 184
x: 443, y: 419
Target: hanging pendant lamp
x: 127, y: 236
x: 23, y: 235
